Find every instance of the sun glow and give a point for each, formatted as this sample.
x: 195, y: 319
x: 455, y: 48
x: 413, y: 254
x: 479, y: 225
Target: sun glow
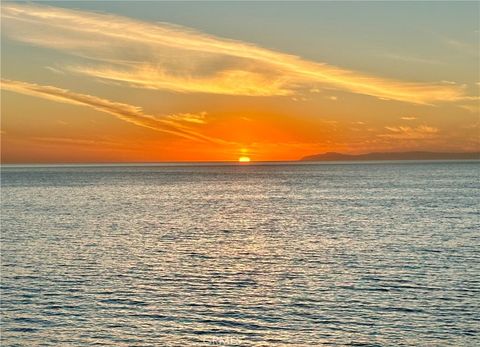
x: 243, y: 159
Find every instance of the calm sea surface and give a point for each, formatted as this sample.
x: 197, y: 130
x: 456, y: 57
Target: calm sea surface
x: 383, y: 254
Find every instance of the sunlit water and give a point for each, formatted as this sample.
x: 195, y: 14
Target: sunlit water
x: 245, y: 255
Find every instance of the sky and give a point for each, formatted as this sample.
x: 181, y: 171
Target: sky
x: 135, y: 81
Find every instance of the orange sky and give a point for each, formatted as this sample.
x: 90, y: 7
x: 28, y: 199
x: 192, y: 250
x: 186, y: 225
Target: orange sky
x: 122, y: 84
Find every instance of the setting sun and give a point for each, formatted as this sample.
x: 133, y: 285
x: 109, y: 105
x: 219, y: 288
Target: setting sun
x: 243, y: 159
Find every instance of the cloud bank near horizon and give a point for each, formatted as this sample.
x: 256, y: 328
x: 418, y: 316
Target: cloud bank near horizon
x: 163, y: 56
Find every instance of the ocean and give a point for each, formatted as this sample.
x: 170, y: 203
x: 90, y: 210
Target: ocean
x: 334, y: 254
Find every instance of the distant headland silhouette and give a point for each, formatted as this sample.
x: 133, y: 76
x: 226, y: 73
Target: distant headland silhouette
x: 417, y: 155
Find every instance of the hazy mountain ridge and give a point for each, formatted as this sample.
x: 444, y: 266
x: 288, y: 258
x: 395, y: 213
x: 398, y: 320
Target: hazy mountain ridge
x: 417, y: 155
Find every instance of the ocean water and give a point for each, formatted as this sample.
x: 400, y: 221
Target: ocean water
x: 380, y: 254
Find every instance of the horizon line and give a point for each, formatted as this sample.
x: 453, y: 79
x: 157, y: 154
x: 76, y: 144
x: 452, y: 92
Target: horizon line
x: 229, y: 163
x: 252, y: 162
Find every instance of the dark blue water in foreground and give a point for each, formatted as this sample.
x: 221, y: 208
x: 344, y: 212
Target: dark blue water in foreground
x: 300, y: 255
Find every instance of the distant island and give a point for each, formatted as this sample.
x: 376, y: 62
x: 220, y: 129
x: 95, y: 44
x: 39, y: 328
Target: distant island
x: 333, y: 156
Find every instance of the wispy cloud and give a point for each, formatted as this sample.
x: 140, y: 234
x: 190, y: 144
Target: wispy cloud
x: 169, y: 57
x: 463, y: 46
x: 412, y: 59
x: 473, y: 108
x: 228, y: 82
x: 128, y: 113
x: 411, y: 133
x: 408, y: 118
x: 76, y: 142
x: 55, y: 70
x: 196, y: 118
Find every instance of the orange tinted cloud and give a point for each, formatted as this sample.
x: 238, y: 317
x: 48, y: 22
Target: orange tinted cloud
x: 411, y: 133
x: 128, y: 113
x: 168, y: 57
